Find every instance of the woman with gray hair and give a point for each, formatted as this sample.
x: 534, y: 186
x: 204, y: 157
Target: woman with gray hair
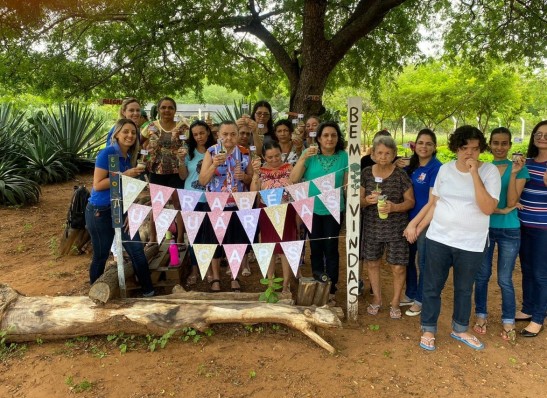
x: 386, y: 197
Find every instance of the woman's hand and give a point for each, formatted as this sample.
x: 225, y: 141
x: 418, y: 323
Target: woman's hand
x: 388, y: 207
x: 219, y: 159
x: 298, y: 143
x: 545, y: 178
x: 311, y: 151
x: 239, y: 174
x: 256, y: 163
x: 181, y: 154
x: 133, y: 172
x: 518, y: 164
x: 410, y: 233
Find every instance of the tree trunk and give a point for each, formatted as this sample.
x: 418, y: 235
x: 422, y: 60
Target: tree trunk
x: 52, y: 318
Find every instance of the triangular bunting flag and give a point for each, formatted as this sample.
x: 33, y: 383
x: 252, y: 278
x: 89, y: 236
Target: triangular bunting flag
x: 188, y: 199
x: 235, y: 254
x: 131, y: 188
x: 159, y: 195
x: 192, y: 221
x: 325, y: 183
x: 293, y: 250
x: 263, y: 253
x: 331, y: 200
x: 217, y: 200
x: 204, y: 254
x: 277, y: 215
x: 249, y: 221
x: 219, y: 221
x: 272, y: 197
x: 244, y: 200
x: 163, y: 221
x: 304, y: 208
x: 136, y: 216
x: 299, y: 191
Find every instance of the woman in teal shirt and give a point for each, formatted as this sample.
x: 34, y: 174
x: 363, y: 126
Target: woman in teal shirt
x: 505, y: 231
x: 317, y: 161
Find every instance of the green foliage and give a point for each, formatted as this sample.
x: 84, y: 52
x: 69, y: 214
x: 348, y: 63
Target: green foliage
x: 9, y: 350
x: 154, y: 342
x: 271, y: 294
x: 123, y: 341
x: 233, y: 113
x: 82, y: 386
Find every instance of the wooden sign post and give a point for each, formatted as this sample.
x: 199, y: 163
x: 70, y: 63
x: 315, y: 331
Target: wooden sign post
x: 353, y: 208
x: 117, y: 220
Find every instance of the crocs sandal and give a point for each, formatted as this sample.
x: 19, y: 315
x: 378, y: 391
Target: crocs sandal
x: 480, y: 329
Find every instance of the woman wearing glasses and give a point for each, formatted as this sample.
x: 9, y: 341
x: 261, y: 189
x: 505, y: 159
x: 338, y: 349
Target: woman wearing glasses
x: 262, y: 115
x: 533, y: 247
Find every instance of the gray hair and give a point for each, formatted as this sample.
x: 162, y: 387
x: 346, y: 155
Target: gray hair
x: 387, y: 141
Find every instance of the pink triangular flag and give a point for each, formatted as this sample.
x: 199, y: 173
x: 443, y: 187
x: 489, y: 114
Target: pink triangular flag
x: 299, y: 191
x: 304, y: 208
x: 277, y: 215
x: 163, y: 221
x: 263, y: 253
x: 204, y: 254
x: 188, y: 199
x: 217, y: 200
x: 249, y: 221
x: 136, y: 216
x: 159, y: 195
x: 235, y: 254
x: 331, y: 200
x: 219, y: 221
x: 325, y: 183
x: 131, y: 188
x: 244, y: 200
x: 192, y: 221
x: 292, y: 251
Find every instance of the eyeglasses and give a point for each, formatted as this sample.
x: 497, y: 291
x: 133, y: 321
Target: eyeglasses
x: 540, y: 135
x: 260, y: 114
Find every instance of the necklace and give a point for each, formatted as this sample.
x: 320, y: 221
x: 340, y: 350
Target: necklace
x: 327, y: 162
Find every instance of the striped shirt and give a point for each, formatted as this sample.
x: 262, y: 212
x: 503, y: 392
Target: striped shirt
x: 534, y: 197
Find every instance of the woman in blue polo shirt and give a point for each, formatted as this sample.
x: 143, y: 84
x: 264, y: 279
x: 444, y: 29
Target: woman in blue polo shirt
x: 98, y: 215
x: 422, y: 170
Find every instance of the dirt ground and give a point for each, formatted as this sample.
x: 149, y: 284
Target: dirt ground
x: 376, y: 356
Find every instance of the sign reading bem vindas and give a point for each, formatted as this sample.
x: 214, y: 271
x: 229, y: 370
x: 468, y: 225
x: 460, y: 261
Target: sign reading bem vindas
x: 355, y: 106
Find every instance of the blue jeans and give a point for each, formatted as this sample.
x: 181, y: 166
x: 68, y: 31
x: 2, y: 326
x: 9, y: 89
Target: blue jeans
x: 533, y: 261
x: 98, y: 220
x: 508, y: 240
x: 438, y: 260
x: 415, y: 282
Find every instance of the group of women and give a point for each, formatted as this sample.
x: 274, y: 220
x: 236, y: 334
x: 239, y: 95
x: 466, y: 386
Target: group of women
x: 450, y: 215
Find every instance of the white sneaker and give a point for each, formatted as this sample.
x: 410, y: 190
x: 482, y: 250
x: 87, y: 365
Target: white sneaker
x: 406, y: 302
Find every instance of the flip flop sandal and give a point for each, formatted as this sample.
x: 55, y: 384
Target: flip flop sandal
x: 395, y: 313
x: 467, y: 341
x: 427, y: 343
x: 373, y: 309
x: 509, y: 335
x: 480, y: 329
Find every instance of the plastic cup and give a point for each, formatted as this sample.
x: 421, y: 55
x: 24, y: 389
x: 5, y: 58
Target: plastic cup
x: 382, y: 201
x: 141, y: 165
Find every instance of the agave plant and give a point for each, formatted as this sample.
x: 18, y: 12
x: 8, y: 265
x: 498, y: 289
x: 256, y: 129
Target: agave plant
x: 76, y: 132
x: 233, y: 113
x: 45, y: 163
x: 15, y: 187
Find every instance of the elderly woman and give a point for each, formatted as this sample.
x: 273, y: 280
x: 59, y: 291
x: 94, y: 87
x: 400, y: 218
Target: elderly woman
x: 98, y: 214
x: 275, y: 174
x: 227, y: 169
x: 317, y: 161
x: 386, y: 196
x: 465, y: 194
x: 533, y: 248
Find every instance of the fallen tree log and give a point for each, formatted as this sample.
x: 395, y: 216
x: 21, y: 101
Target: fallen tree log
x: 50, y: 318
x: 180, y: 293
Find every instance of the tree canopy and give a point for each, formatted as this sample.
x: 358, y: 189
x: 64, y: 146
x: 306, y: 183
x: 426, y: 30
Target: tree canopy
x: 147, y: 48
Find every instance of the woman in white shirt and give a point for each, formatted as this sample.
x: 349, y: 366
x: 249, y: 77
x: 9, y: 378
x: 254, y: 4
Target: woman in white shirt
x: 465, y: 193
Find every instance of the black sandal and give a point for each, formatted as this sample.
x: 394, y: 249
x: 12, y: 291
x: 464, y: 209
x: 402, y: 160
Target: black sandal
x: 211, y: 286
x: 235, y: 289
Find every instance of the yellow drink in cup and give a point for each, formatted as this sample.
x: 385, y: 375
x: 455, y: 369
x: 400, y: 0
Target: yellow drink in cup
x: 382, y: 201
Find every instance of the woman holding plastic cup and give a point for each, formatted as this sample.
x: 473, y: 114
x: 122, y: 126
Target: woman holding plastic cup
x: 386, y: 196
x: 262, y: 115
x: 227, y: 168
x: 291, y: 148
x: 325, y: 157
